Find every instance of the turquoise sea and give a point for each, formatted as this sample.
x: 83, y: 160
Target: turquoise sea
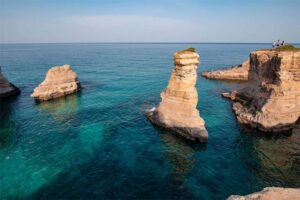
x: 97, y: 144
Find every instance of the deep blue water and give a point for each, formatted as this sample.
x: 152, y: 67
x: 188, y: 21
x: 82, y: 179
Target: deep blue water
x: 97, y: 144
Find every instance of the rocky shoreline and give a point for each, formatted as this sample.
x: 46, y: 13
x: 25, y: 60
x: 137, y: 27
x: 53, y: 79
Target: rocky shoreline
x: 177, y: 111
x: 239, y: 73
x: 270, y: 193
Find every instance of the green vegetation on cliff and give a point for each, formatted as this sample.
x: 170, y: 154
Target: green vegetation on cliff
x: 287, y: 47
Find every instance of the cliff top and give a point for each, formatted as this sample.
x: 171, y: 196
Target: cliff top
x: 287, y: 47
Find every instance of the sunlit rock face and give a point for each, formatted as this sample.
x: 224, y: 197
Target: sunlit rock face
x: 60, y: 81
x: 177, y: 110
x: 7, y: 89
x: 271, y: 101
x: 270, y: 193
x: 239, y: 72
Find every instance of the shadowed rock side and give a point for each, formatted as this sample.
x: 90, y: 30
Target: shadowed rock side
x: 271, y: 101
x: 60, y: 81
x: 177, y: 110
x: 271, y: 193
x: 6, y: 88
x: 239, y: 72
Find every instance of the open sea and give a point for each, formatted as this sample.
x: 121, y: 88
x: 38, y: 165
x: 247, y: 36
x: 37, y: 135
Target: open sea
x: 97, y: 144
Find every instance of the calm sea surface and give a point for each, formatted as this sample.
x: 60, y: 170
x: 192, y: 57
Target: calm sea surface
x: 98, y: 144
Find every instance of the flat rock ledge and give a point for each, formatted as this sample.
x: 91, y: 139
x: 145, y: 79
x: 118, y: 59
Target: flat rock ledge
x: 7, y: 89
x: 270, y: 100
x: 234, y: 73
x: 177, y: 111
x: 60, y: 81
x: 271, y: 193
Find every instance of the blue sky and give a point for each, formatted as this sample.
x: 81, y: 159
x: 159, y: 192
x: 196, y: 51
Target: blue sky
x: 33, y: 21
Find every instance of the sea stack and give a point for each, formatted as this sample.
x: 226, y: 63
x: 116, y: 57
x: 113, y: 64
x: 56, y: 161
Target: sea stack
x: 234, y: 73
x: 177, y: 110
x: 271, y: 101
x: 60, y: 81
x: 7, y: 89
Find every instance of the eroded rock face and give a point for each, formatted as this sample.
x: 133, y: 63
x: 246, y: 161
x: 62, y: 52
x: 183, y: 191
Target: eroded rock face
x: 271, y: 101
x: 7, y: 89
x: 60, y: 81
x: 271, y: 193
x: 177, y: 110
x: 239, y: 72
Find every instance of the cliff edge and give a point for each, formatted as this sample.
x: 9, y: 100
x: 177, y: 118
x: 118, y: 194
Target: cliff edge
x: 271, y: 100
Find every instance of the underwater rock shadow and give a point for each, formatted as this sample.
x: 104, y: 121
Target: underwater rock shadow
x: 273, y: 159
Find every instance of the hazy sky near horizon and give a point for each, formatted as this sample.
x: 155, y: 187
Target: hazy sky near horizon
x: 34, y: 21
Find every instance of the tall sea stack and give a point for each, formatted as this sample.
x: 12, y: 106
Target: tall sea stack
x: 271, y: 101
x: 7, y: 89
x: 177, y: 111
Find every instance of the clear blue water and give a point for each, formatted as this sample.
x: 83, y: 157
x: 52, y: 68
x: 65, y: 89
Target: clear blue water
x: 97, y: 144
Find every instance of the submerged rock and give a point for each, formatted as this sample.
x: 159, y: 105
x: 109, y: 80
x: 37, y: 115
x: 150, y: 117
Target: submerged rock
x: 7, y: 89
x: 239, y: 72
x: 60, y: 81
x: 270, y: 193
x: 271, y: 100
x: 177, y: 111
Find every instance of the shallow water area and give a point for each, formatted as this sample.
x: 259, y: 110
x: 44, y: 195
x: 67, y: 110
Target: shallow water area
x: 97, y: 144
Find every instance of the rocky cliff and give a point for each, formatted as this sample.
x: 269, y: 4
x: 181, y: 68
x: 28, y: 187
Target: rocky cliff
x: 271, y: 193
x: 177, y: 110
x: 60, y: 81
x: 271, y: 101
x: 239, y: 72
x: 6, y: 88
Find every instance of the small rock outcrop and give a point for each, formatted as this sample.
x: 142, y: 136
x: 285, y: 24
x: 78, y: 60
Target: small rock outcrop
x: 239, y: 72
x: 271, y: 101
x: 7, y: 89
x: 177, y: 111
x: 271, y: 193
x: 60, y: 81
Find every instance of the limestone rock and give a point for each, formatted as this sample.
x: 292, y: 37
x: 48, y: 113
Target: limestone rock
x: 271, y: 193
x: 239, y: 72
x: 7, y: 89
x: 271, y: 101
x: 60, y: 81
x: 177, y: 110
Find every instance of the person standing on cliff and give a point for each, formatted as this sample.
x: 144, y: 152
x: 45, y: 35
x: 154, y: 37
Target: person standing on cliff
x: 274, y: 44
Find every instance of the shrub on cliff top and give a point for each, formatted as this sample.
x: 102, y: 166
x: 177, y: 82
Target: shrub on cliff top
x: 287, y: 47
x: 191, y: 49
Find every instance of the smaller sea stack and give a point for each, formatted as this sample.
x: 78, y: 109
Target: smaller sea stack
x: 60, y: 81
x: 235, y: 73
x: 7, y: 89
x: 177, y: 111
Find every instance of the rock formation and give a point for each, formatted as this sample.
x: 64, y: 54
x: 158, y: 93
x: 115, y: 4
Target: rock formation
x: 6, y: 88
x: 271, y: 193
x: 239, y: 72
x: 60, y: 81
x: 177, y: 110
x: 271, y: 101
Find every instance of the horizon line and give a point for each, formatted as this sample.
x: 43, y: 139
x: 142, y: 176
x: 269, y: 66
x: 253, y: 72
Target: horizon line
x: 5, y: 43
